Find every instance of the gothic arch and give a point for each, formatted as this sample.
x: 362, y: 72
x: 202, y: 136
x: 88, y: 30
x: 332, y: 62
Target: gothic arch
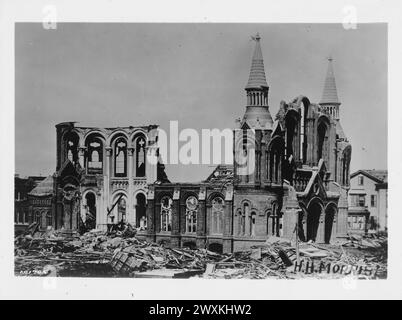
x: 96, y: 132
x: 314, y: 214
x: 275, y: 160
x: 90, y: 208
x: 119, y: 213
x: 274, y: 218
x: 137, y: 132
x: 215, y: 194
x: 112, y: 136
x: 95, y: 152
x: 345, y: 165
x: 331, y: 211
x: 164, y: 194
x: 120, y: 145
x: 71, y: 141
x: 139, y: 143
x: 322, y: 134
x: 292, y: 124
x: 140, y: 203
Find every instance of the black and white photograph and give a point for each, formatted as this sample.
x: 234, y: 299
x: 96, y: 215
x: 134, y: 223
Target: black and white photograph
x: 200, y: 151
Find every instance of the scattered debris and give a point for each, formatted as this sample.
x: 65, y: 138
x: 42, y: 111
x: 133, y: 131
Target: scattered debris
x: 118, y: 253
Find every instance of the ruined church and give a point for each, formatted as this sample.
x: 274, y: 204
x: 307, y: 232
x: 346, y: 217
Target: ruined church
x: 296, y: 177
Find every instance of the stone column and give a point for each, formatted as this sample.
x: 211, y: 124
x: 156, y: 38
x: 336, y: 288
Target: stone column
x: 67, y: 214
x: 83, y: 208
x: 342, y: 218
x: 310, y: 141
x: 81, y: 156
x: 321, y: 228
x: 151, y: 161
x: 99, y: 209
x: 175, y: 239
x: 227, y: 245
x: 151, y: 226
x: 131, y: 214
x: 201, y: 213
x: 106, y: 183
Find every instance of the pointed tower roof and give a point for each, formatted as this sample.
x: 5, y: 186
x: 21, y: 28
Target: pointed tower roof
x: 329, y: 94
x: 257, y: 78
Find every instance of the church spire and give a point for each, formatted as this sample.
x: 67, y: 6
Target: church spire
x: 330, y: 101
x: 257, y: 114
x: 257, y: 78
x: 330, y: 94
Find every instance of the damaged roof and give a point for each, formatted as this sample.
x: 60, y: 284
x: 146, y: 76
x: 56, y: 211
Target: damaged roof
x: 221, y: 174
x: 44, y: 188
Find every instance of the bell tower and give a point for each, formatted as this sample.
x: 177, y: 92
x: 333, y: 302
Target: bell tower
x: 257, y: 113
x: 253, y: 131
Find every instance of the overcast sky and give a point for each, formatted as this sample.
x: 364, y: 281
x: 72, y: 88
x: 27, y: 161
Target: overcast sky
x: 137, y: 74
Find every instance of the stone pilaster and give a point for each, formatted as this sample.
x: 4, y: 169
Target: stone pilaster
x: 131, y: 216
x: 106, y: 181
x: 151, y: 227
x: 227, y: 245
x: 81, y: 156
x: 201, y: 224
x: 342, y: 218
x: 175, y: 239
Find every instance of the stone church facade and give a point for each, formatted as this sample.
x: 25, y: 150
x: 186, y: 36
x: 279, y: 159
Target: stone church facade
x: 102, y: 175
x: 289, y: 172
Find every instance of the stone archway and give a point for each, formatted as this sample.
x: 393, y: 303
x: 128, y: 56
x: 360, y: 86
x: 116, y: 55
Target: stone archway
x: 90, y: 215
x: 140, y: 210
x: 313, y: 220
x: 330, y: 212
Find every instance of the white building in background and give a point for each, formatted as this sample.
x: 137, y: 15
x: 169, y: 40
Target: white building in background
x: 368, y: 201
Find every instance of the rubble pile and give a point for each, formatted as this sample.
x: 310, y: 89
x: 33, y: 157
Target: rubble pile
x: 67, y: 252
x: 120, y: 253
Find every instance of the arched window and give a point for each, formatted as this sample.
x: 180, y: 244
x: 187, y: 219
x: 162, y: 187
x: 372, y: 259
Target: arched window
x: 120, y: 157
x: 38, y: 218
x: 140, y: 156
x: 303, y: 128
x: 345, y: 162
x: 275, y: 220
x: 49, y: 219
x: 246, y: 160
x: 121, y: 210
x: 71, y: 141
x: 245, y: 218
x: 322, y: 141
x: 140, y: 210
x: 94, y: 155
x: 90, y: 217
x: 291, y: 135
x: 26, y: 216
x: 253, y: 217
x: 166, y: 214
x: 292, y: 142
x: 275, y: 161
x: 217, y: 215
x: 191, y: 214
